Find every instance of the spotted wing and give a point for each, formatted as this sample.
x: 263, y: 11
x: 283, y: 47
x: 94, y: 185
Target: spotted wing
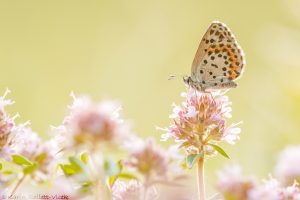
x: 219, y: 59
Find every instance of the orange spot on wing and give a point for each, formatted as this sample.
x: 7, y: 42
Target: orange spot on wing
x: 233, y: 74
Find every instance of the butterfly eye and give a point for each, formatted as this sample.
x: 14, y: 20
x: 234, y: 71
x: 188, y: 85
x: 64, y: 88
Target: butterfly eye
x: 186, y: 79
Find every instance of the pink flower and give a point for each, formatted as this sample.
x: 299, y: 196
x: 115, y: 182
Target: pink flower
x: 292, y: 192
x: 26, y: 142
x: 232, y: 185
x: 288, y: 165
x: 15, y: 139
x: 122, y: 191
x: 133, y: 190
x: 90, y: 122
x: 48, y: 157
x: 272, y: 189
x: 6, y: 126
x: 63, y: 188
x: 269, y: 190
x: 148, y: 159
x: 201, y: 120
x: 155, y: 164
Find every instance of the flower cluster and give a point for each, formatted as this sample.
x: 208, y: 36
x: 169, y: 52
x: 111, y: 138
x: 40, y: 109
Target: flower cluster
x: 148, y: 159
x: 7, y: 125
x: 153, y: 165
x: 132, y: 190
x: 15, y: 138
x: 272, y: 189
x: 147, y: 171
x: 22, y: 148
x: 91, y: 123
x: 233, y: 185
x: 201, y: 121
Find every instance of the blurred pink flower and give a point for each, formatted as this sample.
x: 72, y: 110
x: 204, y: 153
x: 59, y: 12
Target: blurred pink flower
x: 133, y: 190
x: 122, y: 191
x: 26, y: 141
x: 272, y: 189
x: 155, y: 164
x: 6, y: 127
x: 269, y: 190
x: 15, y: 139
x: 288, y: 165
x: 232, y: 185
x: 48, y: 156
x: 201, y: 120
x: 148, y: 159
x: 64, y: 188
x: 93, y: 122
x: 292, y: 192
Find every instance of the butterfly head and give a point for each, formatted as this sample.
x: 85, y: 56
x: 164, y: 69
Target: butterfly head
x: 187, y: 80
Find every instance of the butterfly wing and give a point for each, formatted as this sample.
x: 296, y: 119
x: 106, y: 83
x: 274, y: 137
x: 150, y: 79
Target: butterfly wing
x: 201, y: 51
x: 219, y: 59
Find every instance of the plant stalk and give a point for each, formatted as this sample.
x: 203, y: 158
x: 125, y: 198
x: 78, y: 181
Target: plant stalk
x: 201, y: 179
x: 20, y: 181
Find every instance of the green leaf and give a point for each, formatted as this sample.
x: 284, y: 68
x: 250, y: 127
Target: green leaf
x: 111, y: 180
x: 183, y: 165
x: 67, y: 169
x: 86, y: 186
x: 220, y: 150
x: 84, y: 158
x: 127, y: 176
x: 7, y: 172
x: 40, y: 158
x: 1, y: 166
x: 30, y: 168
x: 120, y: 165
x: 76, y: 164
x: 20, y: 160
x: 192, y: 159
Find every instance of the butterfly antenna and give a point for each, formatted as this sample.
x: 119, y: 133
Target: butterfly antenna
x: 173, y: 76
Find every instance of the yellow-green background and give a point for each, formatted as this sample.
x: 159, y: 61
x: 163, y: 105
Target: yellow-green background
x: 126, y: 50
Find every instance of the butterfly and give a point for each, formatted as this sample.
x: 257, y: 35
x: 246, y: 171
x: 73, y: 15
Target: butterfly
x: 219, y: 60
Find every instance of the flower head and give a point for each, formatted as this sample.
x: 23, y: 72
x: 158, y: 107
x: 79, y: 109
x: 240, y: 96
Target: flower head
x: 272, y: 189
x: 26, y: 141
x: 47, y: 157
x: 269, y: 190
x: 201, y: 120
x: 148, y: 159
x: 287, y: 167
x: 232, y: 185
x: 6, y: 125
x: 93, y: 122
x: 64, y: 189
x: 132, y: 190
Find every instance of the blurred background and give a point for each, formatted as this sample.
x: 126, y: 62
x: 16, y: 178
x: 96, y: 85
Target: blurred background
x: 126, y: 50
